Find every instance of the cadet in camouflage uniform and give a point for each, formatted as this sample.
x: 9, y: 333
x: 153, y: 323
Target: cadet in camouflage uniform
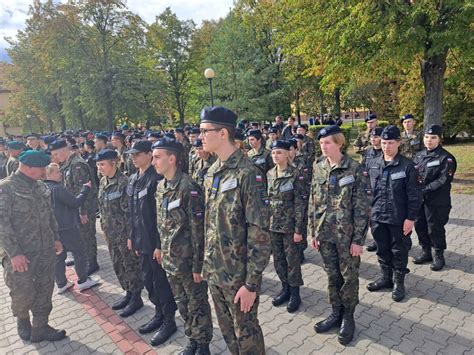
x: 236, y: 230
x: 77, y: 172
x: 259, y: 155
x: 180, y: 215
x: 339, y: 209
x: 288, y: 201
x: 308, y: 148
x: 201, y: 164
x: 411, y: 140
x: 181, y: 138
x: 3, y: 159
x: 114, y: 218
x: 362, y: 142
x: 14, y: 150
x: 272, y: 137
x: 28, y: 241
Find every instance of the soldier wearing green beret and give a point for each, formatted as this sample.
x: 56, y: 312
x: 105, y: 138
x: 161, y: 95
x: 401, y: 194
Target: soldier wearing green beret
x: 3, y: 159
x: 29, y: 239
x: 14, y: 150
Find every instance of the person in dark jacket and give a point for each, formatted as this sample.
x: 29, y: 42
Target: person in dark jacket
x: 145, y: 241
x: 66, y: 210
x: 436, y: 167
x: 397, y: 197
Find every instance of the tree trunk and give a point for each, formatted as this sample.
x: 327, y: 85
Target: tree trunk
x: 109, y: 112
x: 298, y: 108
x: 337, y: 103
x: 81, y: 119
x: 432, y: 73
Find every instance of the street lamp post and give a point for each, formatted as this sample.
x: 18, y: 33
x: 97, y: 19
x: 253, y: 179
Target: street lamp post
x: 29, y: 123
x: 209, y: 75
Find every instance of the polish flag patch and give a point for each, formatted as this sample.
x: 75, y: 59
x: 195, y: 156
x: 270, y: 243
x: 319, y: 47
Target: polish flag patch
x: 259, y: 178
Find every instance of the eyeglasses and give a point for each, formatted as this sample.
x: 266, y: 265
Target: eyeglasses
x: 205, y: 131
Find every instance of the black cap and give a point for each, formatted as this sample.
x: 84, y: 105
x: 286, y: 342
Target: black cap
x: 168, y: 144
x: 106, y: 154
x: 435, y: 130
x: 328, y: 131
x: 407, y: 117
x: 57, y: 144
x: 280, y: 144
x: 371, y: 117
x: 140, y: 147
x: 218, y: 115
x: 391, y: 132
x: 255, y: 133
x: 197, y: 143
x: 377, y: 131
x: 273, y: 130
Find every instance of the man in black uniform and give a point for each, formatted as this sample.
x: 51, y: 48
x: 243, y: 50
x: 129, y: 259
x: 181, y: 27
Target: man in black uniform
x: 145, y: 241
x: 397, y: 197
x: 437, y: 167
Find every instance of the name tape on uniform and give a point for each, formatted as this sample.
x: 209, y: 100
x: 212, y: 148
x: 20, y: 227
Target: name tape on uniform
x: 399, y: 175
x: 433, y: 163
x: 142, y: 193
x: 172, y: 205
x: 229, y: 185
x: 346, y: 180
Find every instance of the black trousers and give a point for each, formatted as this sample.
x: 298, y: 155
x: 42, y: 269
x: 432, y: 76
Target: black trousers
x: 72, y: 241
x: 429, y: 226
x: 392, y: 246
x: 157, y: 286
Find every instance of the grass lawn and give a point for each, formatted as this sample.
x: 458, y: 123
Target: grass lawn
x: 464, y: 176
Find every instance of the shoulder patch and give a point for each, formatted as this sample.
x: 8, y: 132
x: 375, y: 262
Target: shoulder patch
x: 194, y: 193
x: 259, y: 178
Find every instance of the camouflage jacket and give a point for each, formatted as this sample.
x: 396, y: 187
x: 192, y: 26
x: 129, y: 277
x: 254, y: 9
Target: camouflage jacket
x: 113, y: 206
x: 27, y: 223
x: 261, y: 158
x: 180, y: 217
x: 340, y: 200
x: 12, y: 165
x: 410, y: 144
x: 288, y: 200
x: 304, y: 171
x: 185, y: 155
x: 309, y: 149
x: 77, y: 172
x: 200, y: 167
x: 362, y: 142
x: 236, y: 224
x: 3, y: 163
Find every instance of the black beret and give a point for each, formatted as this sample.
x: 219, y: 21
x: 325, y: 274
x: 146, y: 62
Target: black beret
x: 218, y: 115
x: 239, y: 135
x: 255, y: 133
x: 119, y: 135
x: 407, y: 117
x: 377, y: 131
x: 305, y: 126
x: 280, y: 144
x: 106, y: 154
x: 328, y: 131
x: 102, y: 137
x: 197, y: 143
x: 35, y: 158
x: 179, y: 130
x: 435, y: 130
x: 371, y: 117
x: 298, y: 137
x: 57, y: 144
x: 140, y: 147
x: 391, y: 132
x: 32, y: 135
x: 155, y: 135
x: 273, y: 130
x: 266, y: 126
x: 195, y: 131
x: 169, y: 135
x: 15, y: 145
x: 293, y: 142
x: 168, y: 144
x: 136, y: 136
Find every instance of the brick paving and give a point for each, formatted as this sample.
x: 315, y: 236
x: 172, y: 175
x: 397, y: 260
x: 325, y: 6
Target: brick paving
x: 435, y: 318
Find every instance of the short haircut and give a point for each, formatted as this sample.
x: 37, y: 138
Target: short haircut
x: 178, y: 156
x: 51, y: 167
x: 339, y: 139
x: 230, y: 131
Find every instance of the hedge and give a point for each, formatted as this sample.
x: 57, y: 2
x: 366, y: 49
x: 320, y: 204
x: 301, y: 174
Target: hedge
x: 362, y: 126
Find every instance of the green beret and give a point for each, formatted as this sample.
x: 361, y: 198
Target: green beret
x: 35, y: 159
x: 15, y: 145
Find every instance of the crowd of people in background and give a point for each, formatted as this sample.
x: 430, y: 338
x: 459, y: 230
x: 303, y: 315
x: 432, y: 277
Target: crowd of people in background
x: 199, y: 209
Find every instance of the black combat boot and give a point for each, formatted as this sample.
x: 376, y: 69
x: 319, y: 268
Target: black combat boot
x: 133, y: 305
x: 190, y: 349
x: 438, y: 262
x: 372, y: 246
x: 154, y: 324
x: 203, y: 349
x: 283, y: 296
x: 122, y: 303
x: 93, y: 267
x: 334, y: 320
x: 383, y: 282
x: 346, y: 333
x: 23, y: 327
x: 398, y: 292
x: 167, y: 329
x: 424, y: 257
x: 47, y: 333
x: 295, y: 299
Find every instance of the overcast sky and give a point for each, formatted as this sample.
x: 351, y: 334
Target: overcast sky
x: 13, y: 13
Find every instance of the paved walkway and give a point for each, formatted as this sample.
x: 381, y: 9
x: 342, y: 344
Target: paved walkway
x: 436, y: 317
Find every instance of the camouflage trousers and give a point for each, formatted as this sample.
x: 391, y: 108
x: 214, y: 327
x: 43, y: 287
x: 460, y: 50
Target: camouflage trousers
x: 286, y: 258
x: 32, y: 290
x: 241, y: 331
x: 303, y: 245
x: 193, y: 305
x: 343, y: 274
x: 89, y: 237
x: 126, y: 264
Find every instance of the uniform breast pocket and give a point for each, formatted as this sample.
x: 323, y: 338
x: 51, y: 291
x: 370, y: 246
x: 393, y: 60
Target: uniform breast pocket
x: 23, y: 204
x: 319, y: 187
